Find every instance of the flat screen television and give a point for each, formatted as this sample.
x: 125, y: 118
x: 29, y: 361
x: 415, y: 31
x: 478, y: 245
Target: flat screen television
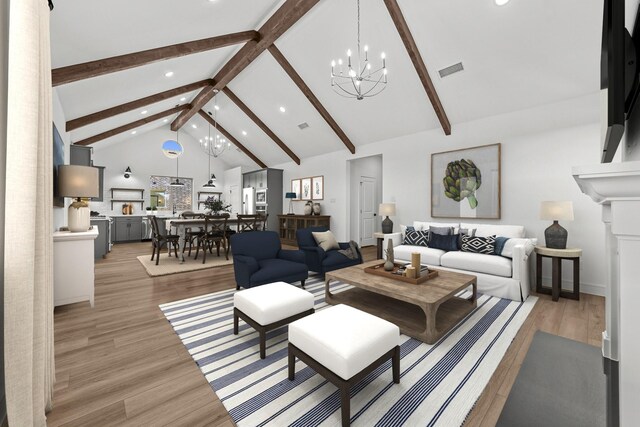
x: 618, y: 74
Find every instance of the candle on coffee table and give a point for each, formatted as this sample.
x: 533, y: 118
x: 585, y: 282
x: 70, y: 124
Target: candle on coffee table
x: 415, y: 262
x: 411, y: 272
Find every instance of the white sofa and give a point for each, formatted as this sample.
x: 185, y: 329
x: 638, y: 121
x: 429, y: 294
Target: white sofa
x: 498, y: 276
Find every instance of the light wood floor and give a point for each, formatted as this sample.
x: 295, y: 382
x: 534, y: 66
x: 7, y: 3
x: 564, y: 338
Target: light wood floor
x: 120, y: 363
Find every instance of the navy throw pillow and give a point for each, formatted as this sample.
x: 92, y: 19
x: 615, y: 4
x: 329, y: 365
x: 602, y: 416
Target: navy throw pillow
x: 499, y: 245
x: 416, y: 238
x: 444, y: 242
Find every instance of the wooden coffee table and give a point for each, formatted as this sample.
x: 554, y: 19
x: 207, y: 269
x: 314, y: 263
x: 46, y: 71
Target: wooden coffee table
x: 425, y: 312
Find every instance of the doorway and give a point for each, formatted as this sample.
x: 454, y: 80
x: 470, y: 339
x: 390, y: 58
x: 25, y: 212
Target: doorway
x: 365, y: 189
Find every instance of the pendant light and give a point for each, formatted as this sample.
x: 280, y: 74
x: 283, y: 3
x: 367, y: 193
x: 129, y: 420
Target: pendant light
x: 177, y: 182
x: 210, y: 183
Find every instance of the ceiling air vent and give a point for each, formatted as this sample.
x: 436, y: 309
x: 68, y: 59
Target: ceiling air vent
x: 303, y: 125
x: 451, y: 70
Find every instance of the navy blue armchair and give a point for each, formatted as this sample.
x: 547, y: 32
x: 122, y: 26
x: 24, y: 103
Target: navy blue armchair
x: 258, y: 258
x: 318, y: 259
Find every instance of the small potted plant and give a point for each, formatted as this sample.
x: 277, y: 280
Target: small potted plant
x: 216, y: 206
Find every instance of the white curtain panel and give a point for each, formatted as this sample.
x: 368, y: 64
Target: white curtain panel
x: 28, y: 274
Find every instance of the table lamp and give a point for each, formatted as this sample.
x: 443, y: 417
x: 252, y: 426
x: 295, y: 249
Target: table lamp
x: 556, y: 236
x: 290, y: 196
x: 387, y: 209
x: 77, y: 182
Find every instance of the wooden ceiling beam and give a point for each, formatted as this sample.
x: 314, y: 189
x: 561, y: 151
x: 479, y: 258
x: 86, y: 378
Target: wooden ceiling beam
x: 288, y: 68
x: 418, y: 62
x: 132, y: 125
x: 283, y: 19
x: 233, y: 140
x: 73, y: 73
x: 232, y: 96
x: 134, y: 105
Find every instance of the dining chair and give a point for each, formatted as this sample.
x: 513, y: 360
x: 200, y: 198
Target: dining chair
x: 190, y: 233
x: 248, y: 223
x: 215, y: 227
x: 158, y: 240
x: 262, y: 225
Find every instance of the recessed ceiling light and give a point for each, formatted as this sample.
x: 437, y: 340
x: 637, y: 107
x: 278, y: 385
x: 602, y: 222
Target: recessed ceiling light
x: 217, y: 107
x: 194, y: 126
x: 282, y: 109
x: 183, y: 98
x: 133, y: 132
x: 244, y: 132
x: 168, y: 74
x: 165, y: 120
x: 501, y: 2
x: 143, y: 112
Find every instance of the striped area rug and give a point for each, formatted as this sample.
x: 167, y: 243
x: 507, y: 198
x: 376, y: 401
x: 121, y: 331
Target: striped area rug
x: 439, y: 383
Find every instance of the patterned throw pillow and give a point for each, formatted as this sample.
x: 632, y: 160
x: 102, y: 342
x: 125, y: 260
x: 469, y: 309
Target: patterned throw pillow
x: 465, y: 231
x: 416, y: 238
x: 479, y: 245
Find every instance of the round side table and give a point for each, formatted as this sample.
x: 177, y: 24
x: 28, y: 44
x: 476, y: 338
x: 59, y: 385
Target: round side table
x: 557, y: 255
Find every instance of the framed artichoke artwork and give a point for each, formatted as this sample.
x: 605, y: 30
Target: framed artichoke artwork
x: 465, y: 183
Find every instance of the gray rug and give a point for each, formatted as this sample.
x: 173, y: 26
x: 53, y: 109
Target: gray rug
x: 561, y: 383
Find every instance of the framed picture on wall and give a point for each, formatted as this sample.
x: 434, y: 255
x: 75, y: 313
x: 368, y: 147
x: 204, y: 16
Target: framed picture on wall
x: 317, y: 188
x: 465, y: 183
x: 305, y: 188
x: 295, y: 188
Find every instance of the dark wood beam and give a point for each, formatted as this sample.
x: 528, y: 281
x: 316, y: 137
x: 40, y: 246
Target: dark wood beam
x: 132, y: 125
x: 73, y: 73
x: 134, y: 105
x: 232, y: 96
x: 288, y: 68
x: 233, y: 140
x: 418, y: 63
x: 283, y: 19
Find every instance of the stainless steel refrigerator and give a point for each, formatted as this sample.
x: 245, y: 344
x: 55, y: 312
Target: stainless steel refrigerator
x: 249, y: 201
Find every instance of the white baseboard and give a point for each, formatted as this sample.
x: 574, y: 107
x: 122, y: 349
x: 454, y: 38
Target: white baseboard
x: 586, y: 288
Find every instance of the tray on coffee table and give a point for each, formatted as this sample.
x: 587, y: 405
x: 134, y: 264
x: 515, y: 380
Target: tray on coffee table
x: 379, y: 270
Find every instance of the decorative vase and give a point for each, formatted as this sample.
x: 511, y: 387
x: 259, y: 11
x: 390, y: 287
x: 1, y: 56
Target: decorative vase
x: 308, y: 208
x: 125, y: 209
x: 389, y: 264
x: 316, y: 208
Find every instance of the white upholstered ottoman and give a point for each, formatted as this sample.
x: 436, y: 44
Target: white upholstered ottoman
x: 344, y: 344
x: 270, y: 306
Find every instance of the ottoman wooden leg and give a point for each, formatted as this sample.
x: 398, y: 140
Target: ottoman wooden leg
x: 345, y: 402
x: 292, y: 365
x: 235, y: 321
x: 263, y: 344
x: 395, y: 362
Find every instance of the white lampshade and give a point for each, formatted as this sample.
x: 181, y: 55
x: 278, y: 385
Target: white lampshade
x: 387, y: 209
x: 77, y: 181
x: 556, y: 211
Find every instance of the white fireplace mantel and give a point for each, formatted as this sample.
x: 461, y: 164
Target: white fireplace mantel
x: 616, y: 186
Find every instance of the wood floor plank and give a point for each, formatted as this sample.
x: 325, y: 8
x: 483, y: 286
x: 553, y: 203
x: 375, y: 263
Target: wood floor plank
x: 121, y: 362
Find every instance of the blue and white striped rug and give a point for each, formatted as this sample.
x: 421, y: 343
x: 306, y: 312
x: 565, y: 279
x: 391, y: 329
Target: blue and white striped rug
x: 439, y: 383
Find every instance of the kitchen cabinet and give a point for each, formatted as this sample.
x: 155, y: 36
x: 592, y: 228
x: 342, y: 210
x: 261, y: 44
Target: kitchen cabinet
x: 101, y: 244
x: 128, y: 229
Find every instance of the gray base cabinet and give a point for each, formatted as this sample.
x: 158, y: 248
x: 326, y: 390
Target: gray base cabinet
x: 101, y: 243
x: 127, y: 229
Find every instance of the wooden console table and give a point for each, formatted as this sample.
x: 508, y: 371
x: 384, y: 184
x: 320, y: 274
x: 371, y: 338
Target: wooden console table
x: 289, y: 224
x: 557, y: 255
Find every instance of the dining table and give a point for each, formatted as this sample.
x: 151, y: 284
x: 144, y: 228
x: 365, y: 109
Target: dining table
x: 181, y: 224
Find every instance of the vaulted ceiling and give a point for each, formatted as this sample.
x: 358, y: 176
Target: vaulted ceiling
x: 517, y: 56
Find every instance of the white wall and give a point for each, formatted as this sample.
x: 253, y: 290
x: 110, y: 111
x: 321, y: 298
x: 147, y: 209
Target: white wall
x: 59, y: 118
x: 369, y: 167
x: 143, y: 154
x: 539, y: 148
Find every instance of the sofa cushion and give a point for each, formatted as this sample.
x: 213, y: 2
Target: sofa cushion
x: 416, y: 238
x: 481, y: 263
x: 274, y: 269
x: 428, y: 256
x: 480, y: 245
x: 421, y: 225
x: 485, y: 230
x: 444, y: 242
x: 444, y: 231
x: 336, y: 259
